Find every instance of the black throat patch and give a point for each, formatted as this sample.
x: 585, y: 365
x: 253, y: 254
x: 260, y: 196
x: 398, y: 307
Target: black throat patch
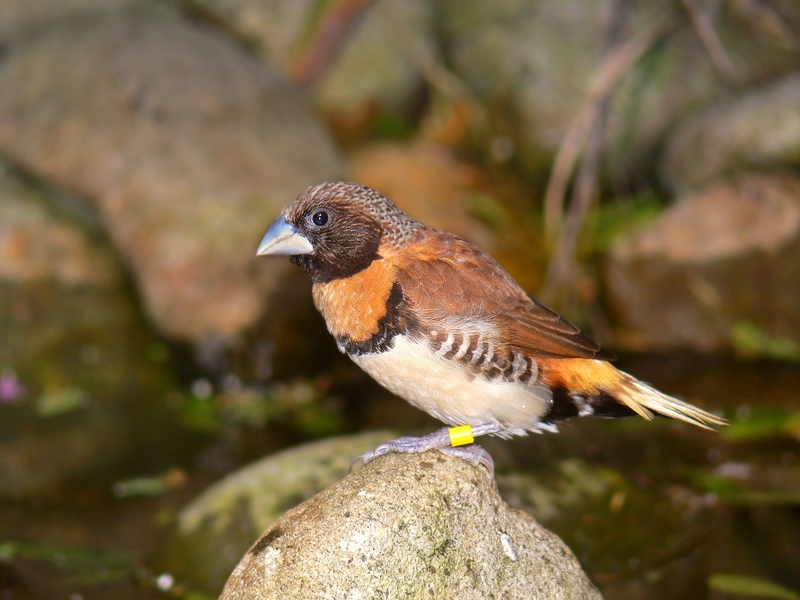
x: 324, y: 269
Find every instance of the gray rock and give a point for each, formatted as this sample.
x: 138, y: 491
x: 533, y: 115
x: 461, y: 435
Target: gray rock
x: 216, y: 528
x: 756, y: 130
x: 408, y: 526
x: 273, y: 27
x: 73, y: 351
x: 186, y: 144
x: 537, y: 60
x: 376, y: 64
x: 19, y: 18
x: 38, y: 245
x: 717, y: 258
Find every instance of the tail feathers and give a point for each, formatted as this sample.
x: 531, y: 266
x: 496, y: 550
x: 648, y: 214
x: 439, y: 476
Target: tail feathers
x: 648, y: 402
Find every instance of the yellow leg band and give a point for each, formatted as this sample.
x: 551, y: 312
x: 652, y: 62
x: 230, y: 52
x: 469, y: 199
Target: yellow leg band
x: 461, y: 435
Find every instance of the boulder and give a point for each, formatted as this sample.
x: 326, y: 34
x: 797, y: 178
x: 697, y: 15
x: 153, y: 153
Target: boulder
x: 716, y: 258
x: 377, y: 67
x: 533, y: 63
x: 20, y: 18
x: 409, y: 526
x: 760, y: 129
x: 184, y: 143
x: 376, y: 64
x: 272, y: 27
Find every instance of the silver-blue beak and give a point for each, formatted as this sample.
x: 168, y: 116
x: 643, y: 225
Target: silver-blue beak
x: 283, y: 239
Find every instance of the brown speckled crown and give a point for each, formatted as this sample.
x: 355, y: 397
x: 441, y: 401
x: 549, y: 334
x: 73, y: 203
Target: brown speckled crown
x: 397, y: 226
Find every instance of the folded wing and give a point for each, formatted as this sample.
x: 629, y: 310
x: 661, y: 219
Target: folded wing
x: 454, y: 285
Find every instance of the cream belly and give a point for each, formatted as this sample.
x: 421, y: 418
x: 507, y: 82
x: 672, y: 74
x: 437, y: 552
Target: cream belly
x: 444, y: 389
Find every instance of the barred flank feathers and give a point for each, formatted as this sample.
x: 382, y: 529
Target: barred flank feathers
x: 645, y: 400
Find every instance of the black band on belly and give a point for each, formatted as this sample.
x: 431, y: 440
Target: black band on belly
x: 397, y: 320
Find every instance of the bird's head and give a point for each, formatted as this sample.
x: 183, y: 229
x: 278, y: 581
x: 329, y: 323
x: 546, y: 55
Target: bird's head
x: 335, y: 230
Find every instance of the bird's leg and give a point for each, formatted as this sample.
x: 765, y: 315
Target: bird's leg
x: 455, y: 441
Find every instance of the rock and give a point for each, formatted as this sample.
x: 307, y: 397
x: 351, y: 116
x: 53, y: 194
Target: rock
x: 35, y: 245
x: 719, y: 257
x: 760, y: 129
x: 408, y: 526
x: 272, y: 27
x: 216, y: 528
x: 533, y: 63
x: 19, y: 18
x: 74, y: 350
x: 375, y: 66
x: 186, y: 144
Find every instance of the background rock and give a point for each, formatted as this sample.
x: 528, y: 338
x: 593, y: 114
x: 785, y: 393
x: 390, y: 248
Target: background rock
x: 534, y: 62
x: 756, y: 130
x: 718, y: 257
x: 217, y: 527
x: 376, y: 66
x: 530, y: 63
x: 186, y: 144
x: 20, y: 18
x: 36, y: 245
x: 273, y: 27
x: 409, y: 526
x: 75, y: 345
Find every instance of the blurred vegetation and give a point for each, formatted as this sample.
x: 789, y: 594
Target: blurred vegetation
x: 749, y: 340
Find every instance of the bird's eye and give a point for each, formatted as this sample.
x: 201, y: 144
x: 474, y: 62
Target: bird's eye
x: 319, y: 218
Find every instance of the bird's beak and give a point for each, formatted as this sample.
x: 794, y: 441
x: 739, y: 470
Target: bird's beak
x: 282, y: 238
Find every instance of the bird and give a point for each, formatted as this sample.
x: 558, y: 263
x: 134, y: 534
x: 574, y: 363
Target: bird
x: 438, y: 322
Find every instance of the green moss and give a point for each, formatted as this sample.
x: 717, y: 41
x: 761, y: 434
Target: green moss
x: 750, y: 340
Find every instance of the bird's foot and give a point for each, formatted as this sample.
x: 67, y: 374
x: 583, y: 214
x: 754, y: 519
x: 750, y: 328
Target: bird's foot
x: 441, y: 440
x: 474, y: 454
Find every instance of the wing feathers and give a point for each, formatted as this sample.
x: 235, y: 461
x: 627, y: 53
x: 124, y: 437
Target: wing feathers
x: 452, y: 284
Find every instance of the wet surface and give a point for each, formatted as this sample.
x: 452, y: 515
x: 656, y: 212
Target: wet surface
x: 652, y: 510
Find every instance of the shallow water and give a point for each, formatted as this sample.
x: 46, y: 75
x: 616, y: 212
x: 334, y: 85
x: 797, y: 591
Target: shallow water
x: 652, y: 510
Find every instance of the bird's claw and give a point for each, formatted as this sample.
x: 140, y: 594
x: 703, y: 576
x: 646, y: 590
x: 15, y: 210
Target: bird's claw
x: 474, y: 454
x: 438, y: 440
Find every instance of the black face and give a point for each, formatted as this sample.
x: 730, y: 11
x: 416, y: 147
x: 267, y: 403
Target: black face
x: 345, y: 240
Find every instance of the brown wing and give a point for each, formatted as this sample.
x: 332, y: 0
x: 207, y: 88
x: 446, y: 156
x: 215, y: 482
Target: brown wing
x: 451, y: 282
